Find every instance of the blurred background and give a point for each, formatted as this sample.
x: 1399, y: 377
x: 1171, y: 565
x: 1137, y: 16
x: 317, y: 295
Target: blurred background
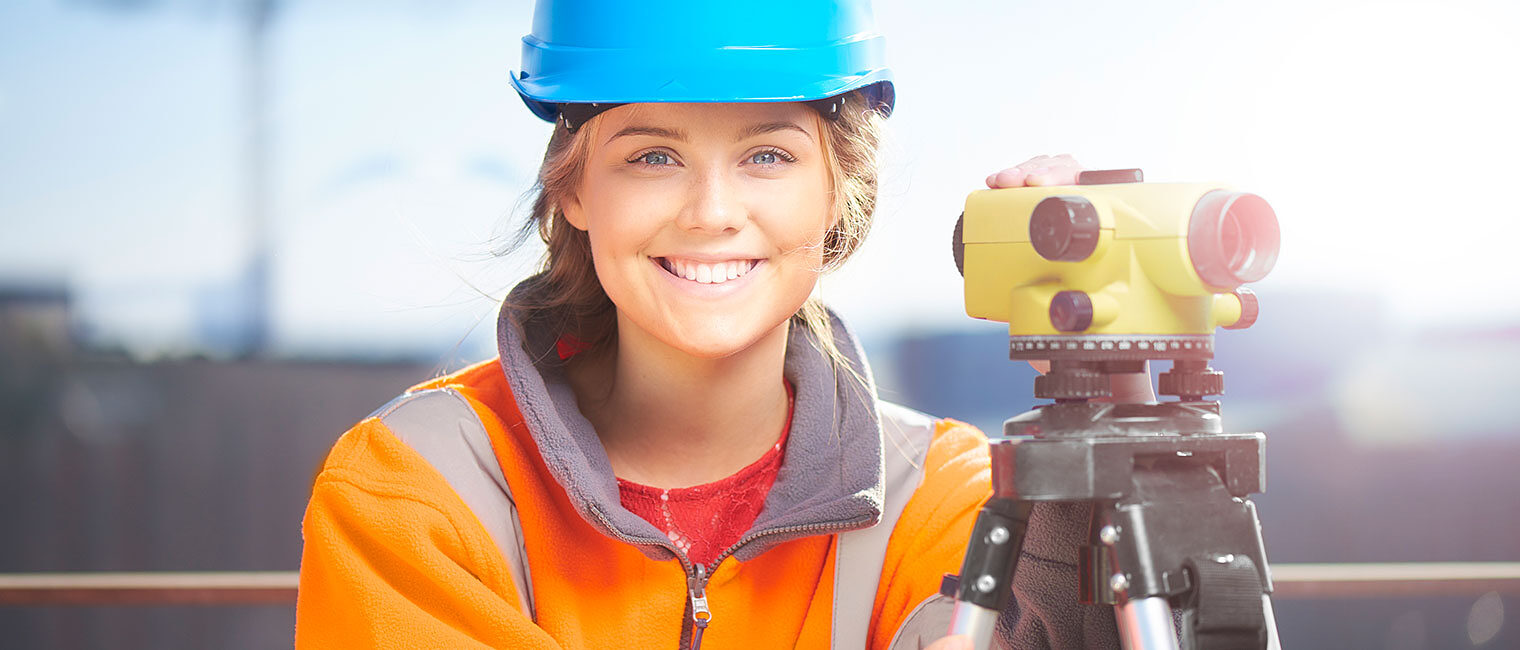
x: 231, y: 228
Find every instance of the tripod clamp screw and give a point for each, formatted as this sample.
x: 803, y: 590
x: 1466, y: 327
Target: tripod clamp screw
x: 986, y: 584
x: 1119, y: 583
x: 997, y: 535
x: 1109, y: 535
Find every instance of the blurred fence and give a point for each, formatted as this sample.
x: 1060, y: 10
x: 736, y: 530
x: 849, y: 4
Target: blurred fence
x: 1291, y: 581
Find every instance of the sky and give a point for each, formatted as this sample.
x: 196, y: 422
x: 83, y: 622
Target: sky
x: 1383, y: 133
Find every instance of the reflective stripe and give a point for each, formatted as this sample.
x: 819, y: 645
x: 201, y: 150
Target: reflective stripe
x: 906, y: 435
x: 442, y: 427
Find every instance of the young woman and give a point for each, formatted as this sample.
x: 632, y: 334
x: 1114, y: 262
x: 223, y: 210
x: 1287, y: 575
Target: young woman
x: 676, y: 445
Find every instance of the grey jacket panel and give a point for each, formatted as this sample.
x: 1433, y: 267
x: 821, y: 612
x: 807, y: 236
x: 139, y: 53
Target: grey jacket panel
x: 442, y: 427
x: 830, y: 479
x: 859, y: 553
x: 927, y: 623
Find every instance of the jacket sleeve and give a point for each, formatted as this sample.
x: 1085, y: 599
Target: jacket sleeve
x: 930, y: 541
x: 394, y: 559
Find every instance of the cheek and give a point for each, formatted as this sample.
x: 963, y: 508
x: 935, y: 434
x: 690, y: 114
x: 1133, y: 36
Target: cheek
x: 800, y: 221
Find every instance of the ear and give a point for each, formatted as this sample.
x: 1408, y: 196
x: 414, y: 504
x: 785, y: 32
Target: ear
x: 574, y: 213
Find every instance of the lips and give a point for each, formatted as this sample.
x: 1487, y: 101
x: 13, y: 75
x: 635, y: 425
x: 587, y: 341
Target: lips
x: 707, y: 272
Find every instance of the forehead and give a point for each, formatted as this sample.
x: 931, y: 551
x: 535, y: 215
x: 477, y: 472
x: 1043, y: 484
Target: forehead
x: 734, y: 121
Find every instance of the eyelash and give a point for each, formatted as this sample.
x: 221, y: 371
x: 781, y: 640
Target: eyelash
x: 784, y: 156
x: 638, y: 159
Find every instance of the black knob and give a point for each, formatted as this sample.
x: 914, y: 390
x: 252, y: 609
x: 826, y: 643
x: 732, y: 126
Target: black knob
x: 1064, y: 228
x: 1071, y: 311
x: 1249, y: 309
x: 958, y: 244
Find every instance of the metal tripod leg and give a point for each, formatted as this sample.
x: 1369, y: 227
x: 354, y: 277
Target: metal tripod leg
x: 1266, y: 607
x: 1146, y: 624
x: 974, y: 621
x: 985, y: 585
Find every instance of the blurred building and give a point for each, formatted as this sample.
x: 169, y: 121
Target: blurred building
x: 190, y: 464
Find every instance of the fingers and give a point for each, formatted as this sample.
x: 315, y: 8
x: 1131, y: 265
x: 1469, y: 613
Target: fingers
x: 1011, y: 177
x: 1041, y: 171
x: 956, y: 642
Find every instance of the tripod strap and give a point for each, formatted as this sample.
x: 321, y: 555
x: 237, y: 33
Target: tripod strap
x: 1227, y: 605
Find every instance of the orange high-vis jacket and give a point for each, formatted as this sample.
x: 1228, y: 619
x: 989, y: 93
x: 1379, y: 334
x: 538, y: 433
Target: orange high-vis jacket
x: 395, y: 556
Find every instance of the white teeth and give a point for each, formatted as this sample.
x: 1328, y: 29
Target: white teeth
x: 704, y: 273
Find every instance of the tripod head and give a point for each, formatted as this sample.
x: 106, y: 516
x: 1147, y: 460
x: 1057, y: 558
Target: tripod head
x: 1101, y: 276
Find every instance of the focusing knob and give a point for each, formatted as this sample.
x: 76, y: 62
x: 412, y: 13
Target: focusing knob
x: 1192, y: 383
x: 1249, y: 309
x: 1064, y: 228
x: 1071, y: 311
x: 958, y: 244
x: 1079, y: 383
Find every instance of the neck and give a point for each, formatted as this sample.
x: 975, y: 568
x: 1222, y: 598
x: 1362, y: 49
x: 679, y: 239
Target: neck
x: 668, y: 419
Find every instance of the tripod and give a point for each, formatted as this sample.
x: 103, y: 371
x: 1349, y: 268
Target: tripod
x: 1171, y: 527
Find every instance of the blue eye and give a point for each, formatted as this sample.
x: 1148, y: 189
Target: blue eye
x: 770, y: 157
x: 655, y: 158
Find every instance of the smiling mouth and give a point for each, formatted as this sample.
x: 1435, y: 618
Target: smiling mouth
x: 706, y: 272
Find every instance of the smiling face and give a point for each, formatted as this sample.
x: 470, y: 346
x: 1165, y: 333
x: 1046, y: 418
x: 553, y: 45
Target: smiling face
x: 706, y: 221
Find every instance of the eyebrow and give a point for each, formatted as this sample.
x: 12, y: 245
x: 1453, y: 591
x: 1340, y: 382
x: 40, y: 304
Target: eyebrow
x: 656, y: 131
x: 772, y: 127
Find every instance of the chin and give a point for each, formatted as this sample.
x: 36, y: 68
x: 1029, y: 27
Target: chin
x: 717, y: 338
x: 715, y: 344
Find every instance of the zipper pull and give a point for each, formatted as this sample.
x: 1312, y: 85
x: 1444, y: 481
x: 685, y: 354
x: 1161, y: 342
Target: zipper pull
x: 700, y: 615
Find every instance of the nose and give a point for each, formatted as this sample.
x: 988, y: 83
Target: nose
x: 713, y: 205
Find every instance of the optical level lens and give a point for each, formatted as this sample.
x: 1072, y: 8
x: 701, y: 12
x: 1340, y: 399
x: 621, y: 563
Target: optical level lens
x: 1232, y: 238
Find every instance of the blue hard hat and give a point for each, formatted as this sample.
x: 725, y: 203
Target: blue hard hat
x: 618, y: 51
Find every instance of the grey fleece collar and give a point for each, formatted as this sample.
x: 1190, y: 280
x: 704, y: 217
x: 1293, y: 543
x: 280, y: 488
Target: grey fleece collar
x: 831, y: 478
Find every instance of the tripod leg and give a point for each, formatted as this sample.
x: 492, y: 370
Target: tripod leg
x: 974, y: 621
x: 986, y: 578
x: 1146, y: 623
x: 1266, y: 605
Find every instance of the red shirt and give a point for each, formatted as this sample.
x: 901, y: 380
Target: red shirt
x: 706, y: 520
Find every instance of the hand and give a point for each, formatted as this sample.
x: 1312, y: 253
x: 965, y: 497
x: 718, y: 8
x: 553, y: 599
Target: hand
x: 1039, y: 170
x: 955, y: 642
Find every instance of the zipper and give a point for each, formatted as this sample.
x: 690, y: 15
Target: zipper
x: 697, y: 574
x: 700, y: 615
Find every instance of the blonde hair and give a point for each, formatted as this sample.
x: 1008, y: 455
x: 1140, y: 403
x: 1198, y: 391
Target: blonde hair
x: 568, y: 284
